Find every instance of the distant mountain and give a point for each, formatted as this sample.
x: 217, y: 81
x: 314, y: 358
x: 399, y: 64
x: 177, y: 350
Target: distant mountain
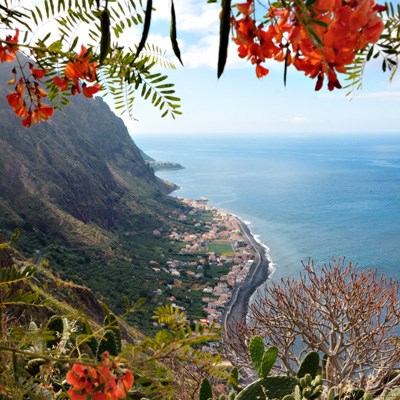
x: 77, y: 176
x: 160, y: 165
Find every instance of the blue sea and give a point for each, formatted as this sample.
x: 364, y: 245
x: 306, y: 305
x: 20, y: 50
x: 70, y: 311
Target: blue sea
x: 304, y: 196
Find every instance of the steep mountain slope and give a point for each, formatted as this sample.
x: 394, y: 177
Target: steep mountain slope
x: 85, y: 200
x: 79, y: 168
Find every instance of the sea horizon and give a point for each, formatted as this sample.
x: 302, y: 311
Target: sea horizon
x: 318, y: 197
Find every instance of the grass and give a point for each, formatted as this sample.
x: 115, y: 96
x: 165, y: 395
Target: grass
x: 222, y: 248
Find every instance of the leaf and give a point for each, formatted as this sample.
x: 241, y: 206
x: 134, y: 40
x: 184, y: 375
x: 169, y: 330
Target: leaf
x: 371, y: 51
x: 320, y: 23
x: 74, y: 43
x: 174, y: 41
x: 105, y: 40
x: 309, y: 3
x: 13, y: 238
x: 225, y: 18
x: 15, y: 235
x: 146, y: 27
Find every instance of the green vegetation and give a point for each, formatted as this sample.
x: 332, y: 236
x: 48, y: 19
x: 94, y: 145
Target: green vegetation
x: 51, y: 351
x: 134, y: 266
x: 221, y: 248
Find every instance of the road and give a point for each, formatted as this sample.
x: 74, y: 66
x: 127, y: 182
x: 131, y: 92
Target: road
x: 237, y: 307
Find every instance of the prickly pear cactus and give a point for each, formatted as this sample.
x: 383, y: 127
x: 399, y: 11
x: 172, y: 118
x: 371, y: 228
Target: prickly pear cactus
x: 232, y: 396
x: 108, y: 343
x: 84, y: 332
x: 355, y: 394
x: 234, y: 379
x: 205, y: 392
x: 310, y: 365
x: 394, y: 394
x: 111, y: 323
x: 273, y: 387
x: 56, y: 325
x: 308, y: 389
x: 256, y: 351
x: 262, y: 360
x: 268, y: 361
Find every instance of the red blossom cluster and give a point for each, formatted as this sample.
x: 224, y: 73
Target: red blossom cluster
x: 27, y: 100
x: 98, y: 383
x: 79, y: 69
x: 319, y: 40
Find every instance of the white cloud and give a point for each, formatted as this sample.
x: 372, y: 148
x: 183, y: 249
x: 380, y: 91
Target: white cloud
x: 191, y: 15
x: 298, y: 120
x: 202, y: 54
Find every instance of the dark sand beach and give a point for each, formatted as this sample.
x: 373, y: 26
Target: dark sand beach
x: 237, y: 307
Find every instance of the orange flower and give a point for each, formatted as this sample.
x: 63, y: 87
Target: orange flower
x: 84, y: 380
x: 261, y: 71
x: 27, y: 122
x: 8, y: 51
x: 89, y: 91
x: 37, y: 73
x: 61, y: 83
x: 75, y: 70
x: 246, y: 8
x: 14, y: 99
x: 42, y: 112
x: 124, y: 384
x: 79, y: 69
x: 100, y: 383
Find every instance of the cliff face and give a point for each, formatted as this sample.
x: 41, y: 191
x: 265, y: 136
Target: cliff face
x: 78, y: 171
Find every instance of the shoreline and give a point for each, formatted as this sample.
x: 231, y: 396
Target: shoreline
x: 237, y: 307
x: 243, y: 286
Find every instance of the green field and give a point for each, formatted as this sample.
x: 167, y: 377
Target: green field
x: 222, y: 248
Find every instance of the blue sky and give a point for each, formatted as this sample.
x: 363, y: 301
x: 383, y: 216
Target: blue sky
x: 239, y: 102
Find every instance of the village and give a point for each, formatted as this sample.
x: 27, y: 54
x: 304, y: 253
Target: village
x: 224, y: 244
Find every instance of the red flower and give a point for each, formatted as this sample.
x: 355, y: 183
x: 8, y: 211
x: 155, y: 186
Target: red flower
x: 261, y: 71
x: 100, y: 383
x: 79, y: 69
x: 37, y: 73
x: 246, y: 8
x: 8, y: 51
x: 42, y: 112
x: 123, y: 385
x: 27, y: 122
x: 326, y: 47
x: 84, y: 380
x: 89, y: 91
x: 61, y: 83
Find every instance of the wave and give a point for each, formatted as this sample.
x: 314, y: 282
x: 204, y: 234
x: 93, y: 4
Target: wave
x: 271, y: 265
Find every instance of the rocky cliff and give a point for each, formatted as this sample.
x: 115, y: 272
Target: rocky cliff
x: 75, y: 175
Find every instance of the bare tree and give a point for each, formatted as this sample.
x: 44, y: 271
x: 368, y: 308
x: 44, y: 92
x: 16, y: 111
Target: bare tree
x: 351, y: 317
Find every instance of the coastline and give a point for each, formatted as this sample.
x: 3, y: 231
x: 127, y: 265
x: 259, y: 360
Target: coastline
x: 243, y: 286
x: 237, y: 308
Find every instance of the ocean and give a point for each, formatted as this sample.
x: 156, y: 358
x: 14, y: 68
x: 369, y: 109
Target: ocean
x: 318, y: 197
